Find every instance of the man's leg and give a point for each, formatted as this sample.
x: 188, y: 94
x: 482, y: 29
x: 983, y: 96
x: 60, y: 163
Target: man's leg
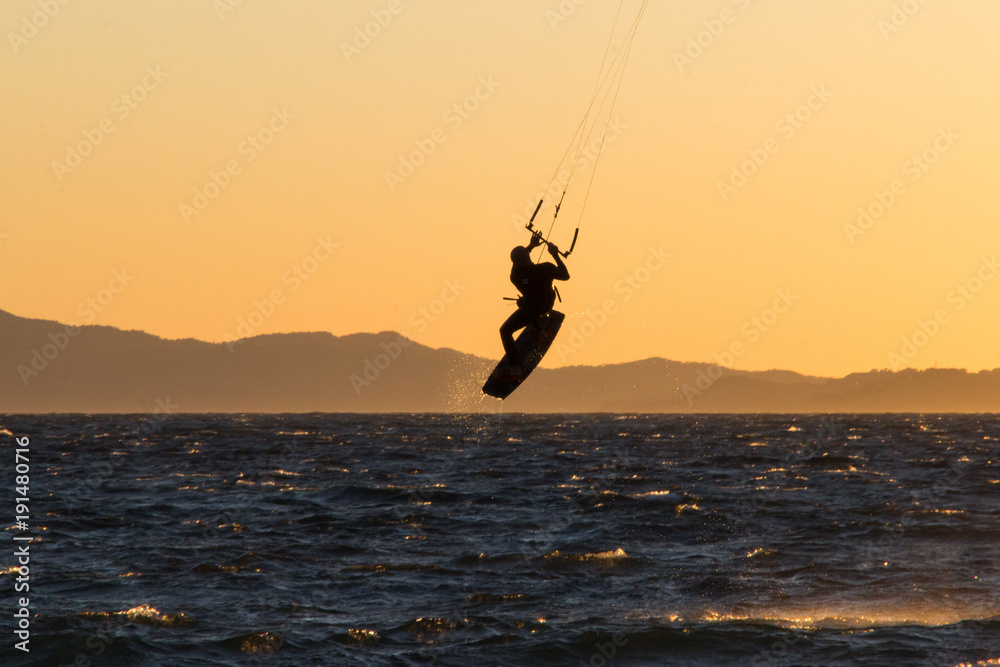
x: 518, y: 320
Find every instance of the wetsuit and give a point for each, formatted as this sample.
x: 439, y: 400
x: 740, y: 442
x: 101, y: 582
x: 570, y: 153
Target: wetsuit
x: 534, y: 282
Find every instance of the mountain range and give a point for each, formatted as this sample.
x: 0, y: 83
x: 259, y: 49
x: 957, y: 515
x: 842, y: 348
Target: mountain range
x: 48, y: 367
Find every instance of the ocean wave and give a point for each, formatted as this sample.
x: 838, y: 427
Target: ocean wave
x: 618, y: 554
x: 144, y: 614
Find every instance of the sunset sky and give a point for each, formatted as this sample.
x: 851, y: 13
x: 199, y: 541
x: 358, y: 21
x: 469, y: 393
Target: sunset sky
x: 187, y: 162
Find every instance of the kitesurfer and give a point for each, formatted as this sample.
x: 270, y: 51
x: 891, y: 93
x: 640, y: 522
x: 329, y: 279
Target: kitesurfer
x: 534, y: 282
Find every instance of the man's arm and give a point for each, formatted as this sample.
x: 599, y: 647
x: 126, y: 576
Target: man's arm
x: 562, y: 272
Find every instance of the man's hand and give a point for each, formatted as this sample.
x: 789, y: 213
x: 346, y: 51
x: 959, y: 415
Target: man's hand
x: 554, y: 250
x: 536, y: 240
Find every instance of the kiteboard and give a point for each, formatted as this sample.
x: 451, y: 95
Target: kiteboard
x: 532, y: 344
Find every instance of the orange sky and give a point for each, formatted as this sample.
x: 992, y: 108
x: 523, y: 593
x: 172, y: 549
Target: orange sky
x: 178, y: 167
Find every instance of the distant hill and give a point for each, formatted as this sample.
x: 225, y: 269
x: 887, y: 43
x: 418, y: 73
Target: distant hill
x: 46, y: 366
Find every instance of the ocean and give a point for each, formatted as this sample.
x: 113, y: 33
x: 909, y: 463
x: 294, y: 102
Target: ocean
x: 577, y: 540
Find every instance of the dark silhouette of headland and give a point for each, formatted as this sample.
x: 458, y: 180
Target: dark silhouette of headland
x: 47, y: 366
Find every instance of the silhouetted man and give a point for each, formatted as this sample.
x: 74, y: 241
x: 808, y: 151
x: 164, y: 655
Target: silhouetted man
x: 534, y: 282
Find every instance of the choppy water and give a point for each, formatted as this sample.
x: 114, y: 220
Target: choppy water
x: 509, y: 540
